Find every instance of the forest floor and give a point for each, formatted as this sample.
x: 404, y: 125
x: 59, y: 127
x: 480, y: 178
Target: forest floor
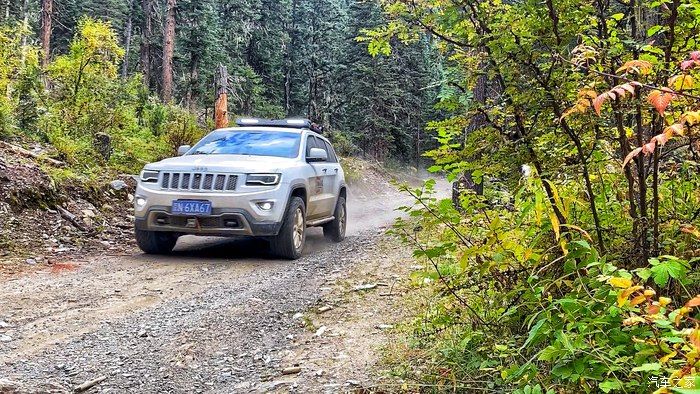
x: 218, y: 315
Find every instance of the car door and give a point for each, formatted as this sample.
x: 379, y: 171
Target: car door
x: 321, y: 197
x: 333, y: 174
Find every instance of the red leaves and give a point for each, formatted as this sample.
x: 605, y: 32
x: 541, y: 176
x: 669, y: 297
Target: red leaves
x: 693, y: 302
x: 617, y: 93
x: 598, y: 102
x: 660, y: 99
x: 693, y: 61
x: 661, y: 140
x: 635, y: 152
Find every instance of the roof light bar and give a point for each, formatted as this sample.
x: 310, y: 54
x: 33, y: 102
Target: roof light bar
x: 247, y: 121
x: 297, y: 123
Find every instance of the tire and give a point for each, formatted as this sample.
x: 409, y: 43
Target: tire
x: 289, y: 243
x: 335, y: 230
x: 156, y: 242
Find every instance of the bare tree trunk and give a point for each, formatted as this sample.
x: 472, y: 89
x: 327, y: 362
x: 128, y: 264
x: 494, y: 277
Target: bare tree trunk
x: 168, y: 49
x: 194, y: 76
x: 46, y: 13
x: 127, y: 40
x: 25, y: 28
x: 145, y: 51
x: 221, y: 104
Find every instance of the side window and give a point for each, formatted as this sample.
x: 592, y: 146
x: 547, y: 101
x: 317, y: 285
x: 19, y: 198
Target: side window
x: 310, y: 143
x: 331, y: 154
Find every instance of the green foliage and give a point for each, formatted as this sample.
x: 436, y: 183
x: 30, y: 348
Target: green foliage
x: 16, y: 64
x: 597, y: 104
x: 88, y: 100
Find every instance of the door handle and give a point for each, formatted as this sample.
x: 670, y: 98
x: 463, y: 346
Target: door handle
x: 325, y: 170
x: 336, y: 170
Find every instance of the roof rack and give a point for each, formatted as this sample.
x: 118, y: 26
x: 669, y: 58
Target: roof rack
x: 297, y: 123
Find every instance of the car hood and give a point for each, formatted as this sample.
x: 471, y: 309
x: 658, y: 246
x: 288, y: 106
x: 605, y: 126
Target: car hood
x: 222, y: 163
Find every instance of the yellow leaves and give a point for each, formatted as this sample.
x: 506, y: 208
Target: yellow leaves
x: 667, y: 357
x: 694, y: 338
x: 638, y: 300
x: 681, y: 82
x: 641, y: 67
x: 681, y: 312
x: 582, y: 104
x: 691, y: 118
x: 663, y: 301
x: 633, y: 320
x: 624, y: 294
x: 660, y: 99
x: 622, y: 283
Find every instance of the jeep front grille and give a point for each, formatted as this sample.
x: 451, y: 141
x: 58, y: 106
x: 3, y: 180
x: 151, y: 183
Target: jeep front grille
x: 198, y: 181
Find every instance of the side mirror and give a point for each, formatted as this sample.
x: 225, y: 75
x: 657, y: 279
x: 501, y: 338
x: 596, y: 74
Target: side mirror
x: 183, y: 149
x: 317, y: 154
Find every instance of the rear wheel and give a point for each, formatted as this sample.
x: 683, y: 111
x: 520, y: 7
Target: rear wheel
x: 156, y: 242
x: 335, y: 230
x: 289, y: 243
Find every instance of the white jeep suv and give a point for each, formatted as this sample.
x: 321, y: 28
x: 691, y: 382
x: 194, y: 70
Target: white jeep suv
x: 266, y: 178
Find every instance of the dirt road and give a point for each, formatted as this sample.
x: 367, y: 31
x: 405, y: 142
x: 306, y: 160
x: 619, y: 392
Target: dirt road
x: 217, y: 316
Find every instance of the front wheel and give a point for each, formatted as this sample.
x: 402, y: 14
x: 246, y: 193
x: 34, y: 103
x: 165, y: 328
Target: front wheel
x: 155, y: 242
x: 289, y: 243
x: 335, y: 229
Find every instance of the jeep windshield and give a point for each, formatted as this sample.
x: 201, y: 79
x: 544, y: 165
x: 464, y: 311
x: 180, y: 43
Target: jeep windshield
x: 249, y: 142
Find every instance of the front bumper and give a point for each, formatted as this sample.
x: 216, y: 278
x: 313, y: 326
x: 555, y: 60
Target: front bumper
x: 232, y: 213
x: 222, y: 222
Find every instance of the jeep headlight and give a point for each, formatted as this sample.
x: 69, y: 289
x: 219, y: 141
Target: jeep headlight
x: 149, y: 176
x: 262, y: 179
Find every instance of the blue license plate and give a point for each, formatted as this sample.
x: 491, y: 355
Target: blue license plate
x: 191, y: 207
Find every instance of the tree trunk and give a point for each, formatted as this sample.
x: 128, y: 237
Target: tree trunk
x: 45, y: 34
x: 25, y: 28
x: 145, y: 51
x: 127, y: 41
x: 168, y: 49
x: 221, y: 104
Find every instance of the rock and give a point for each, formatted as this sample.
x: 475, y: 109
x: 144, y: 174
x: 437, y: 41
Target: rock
x: 384, y: 326
x: 297, y: 315
x: 242, y: 386
x: 320, y: 331
x: 4, y: 324
x: 88, y: 213
x: 320, y: 372
x: 5, y: 338
x: 324, y: 308
x: 117, y: 184
x: 142, y: 334
x: 271, y: 386
x: 8, y: 386
x: 365, y: 286
x: 31, y: 261
x: 352, y: 382
x: 291, y: 370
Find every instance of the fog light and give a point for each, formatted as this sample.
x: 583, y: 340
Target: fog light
x: 265, y: 205
x: 140, y: 202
